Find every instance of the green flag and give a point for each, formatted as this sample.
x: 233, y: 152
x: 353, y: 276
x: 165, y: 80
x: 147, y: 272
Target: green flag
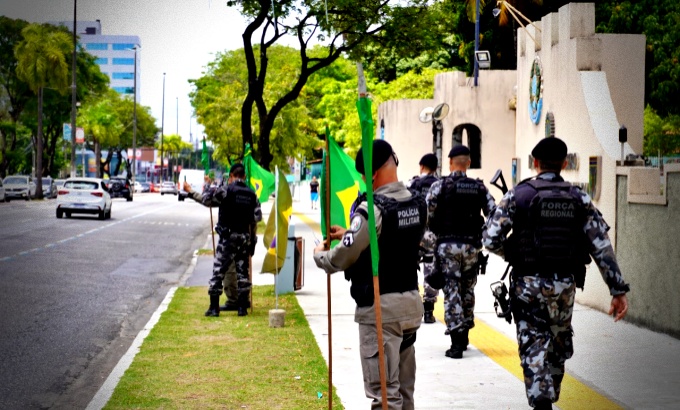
x: 345, y: 184
x: 366, y: 118
x: 258, y: 178
x: 276, y: 233
x: 205, y: 158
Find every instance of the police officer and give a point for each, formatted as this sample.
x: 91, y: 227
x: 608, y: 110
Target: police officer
x: 239, y: 213
x: 400, y: 218
x: 422, y: 183
x: 455, y: 204
x: 556, y: 229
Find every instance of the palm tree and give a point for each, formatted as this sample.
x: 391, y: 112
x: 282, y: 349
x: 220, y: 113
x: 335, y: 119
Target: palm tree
x: 41, y: 62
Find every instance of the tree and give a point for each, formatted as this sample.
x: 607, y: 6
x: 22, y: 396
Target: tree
x: 661, y: 135
x: 173, y: 143
x: 41, y: 63
x: 349, y: 28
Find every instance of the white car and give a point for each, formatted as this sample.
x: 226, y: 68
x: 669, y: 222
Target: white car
x: 19, y: 187
x: 84, y: 196
x: 168, y: 188
x: 138, y: 187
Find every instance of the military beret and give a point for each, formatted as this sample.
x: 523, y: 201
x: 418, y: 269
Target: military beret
x: 459, y: 150
x: 550, y: 149
x: 382, y: 150
x: 236, y: 168
x: 429, y: 161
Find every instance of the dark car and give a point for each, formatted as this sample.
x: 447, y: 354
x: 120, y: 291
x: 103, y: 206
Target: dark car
x: 49, y: 188
x: 120, y: 187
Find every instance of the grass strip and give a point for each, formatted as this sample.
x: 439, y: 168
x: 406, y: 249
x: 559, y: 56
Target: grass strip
x: 189, y: 361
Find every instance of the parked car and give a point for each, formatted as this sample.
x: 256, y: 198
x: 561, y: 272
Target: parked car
x: 138, y: 186
x: 2, y: 191
x: 119, y: 187
x: 168, y: 188
x: 49, y: 188
x: 146, y: 187
x: 84, y: 196
x: 19, y: 187
x: 59, y: 183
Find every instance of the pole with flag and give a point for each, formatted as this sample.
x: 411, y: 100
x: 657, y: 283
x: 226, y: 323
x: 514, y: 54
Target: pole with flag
x: 205, y: 160
x: 327, y: 232
x: 366, y: 118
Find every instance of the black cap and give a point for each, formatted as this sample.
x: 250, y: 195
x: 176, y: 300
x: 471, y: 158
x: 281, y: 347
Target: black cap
x: 429, y: 161
x: 382, y: 150
x: 550, y: 149
x: 236, y: 168
x: 459, y: 150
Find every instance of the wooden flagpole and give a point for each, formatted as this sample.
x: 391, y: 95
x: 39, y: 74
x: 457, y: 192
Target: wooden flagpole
x: 327, y: 214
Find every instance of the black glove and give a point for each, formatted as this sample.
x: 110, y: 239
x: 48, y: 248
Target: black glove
x: 253, y: 242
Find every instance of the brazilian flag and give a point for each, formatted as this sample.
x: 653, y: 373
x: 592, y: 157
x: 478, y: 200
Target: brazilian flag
x: 259, y: 179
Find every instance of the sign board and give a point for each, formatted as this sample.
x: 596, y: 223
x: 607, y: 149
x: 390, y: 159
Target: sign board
x: 67, y: 132
x: 80, y: 136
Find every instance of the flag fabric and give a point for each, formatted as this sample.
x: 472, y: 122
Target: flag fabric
x: 345, y: 185
x: 205, y: 158
x: 276, y: 233
x: 258, y: 178
x: 366, y: 118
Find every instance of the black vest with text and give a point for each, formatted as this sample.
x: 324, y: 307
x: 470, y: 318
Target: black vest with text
x: 403, y: 224
x: 237, y: 210
x: 422, y: 184
x: 548, y: 229
x: 458, y: 215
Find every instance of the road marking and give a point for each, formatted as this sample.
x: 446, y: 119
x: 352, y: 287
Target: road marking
x: 80, y: 235
x: 575, y: 395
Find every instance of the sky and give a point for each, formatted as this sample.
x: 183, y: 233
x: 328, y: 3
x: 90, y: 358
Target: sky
x: 178, y: 37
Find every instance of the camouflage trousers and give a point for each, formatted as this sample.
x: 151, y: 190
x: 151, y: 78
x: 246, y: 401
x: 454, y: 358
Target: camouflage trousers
x: 429, y: 293
x: 542, y: 309
x: 457, y: 262
x: 232, y: 249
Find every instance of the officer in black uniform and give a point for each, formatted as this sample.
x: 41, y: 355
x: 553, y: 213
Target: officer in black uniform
x: 422, y: 183
x: 239, y: 213
x: 556, y: 230
x: 455, y: 205
x: 400, y: 218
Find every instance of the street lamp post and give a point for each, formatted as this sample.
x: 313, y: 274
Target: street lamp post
x: 162, y: 125
x: 73, y: 93
x: 134, y: 121
x: 476, y: 41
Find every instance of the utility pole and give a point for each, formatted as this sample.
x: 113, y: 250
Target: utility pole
x: 73, y: 93
x: 160, y: 179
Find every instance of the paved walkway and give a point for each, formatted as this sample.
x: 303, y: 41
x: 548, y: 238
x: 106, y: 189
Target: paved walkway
x: 616, y: 365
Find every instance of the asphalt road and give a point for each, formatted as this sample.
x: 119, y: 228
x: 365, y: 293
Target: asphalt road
x: 74, y: 292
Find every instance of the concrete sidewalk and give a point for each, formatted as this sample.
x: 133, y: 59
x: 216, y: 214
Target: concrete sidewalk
x: 614, y: 365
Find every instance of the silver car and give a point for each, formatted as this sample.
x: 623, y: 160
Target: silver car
x: 168, y: 188
x: 49, y: 188
x: 19, y: 187
x: 2, y: 192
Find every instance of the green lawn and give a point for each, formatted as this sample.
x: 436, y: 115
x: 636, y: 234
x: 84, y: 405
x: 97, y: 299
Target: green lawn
x: 189, y: 361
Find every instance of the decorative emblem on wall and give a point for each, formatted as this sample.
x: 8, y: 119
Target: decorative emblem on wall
x: 549, y: 125
x: 536, y: 91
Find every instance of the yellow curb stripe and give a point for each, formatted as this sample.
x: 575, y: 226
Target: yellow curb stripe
x: 502, y: 349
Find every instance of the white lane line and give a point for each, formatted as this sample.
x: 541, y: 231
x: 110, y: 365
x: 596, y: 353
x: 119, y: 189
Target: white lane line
x: 104, y: 394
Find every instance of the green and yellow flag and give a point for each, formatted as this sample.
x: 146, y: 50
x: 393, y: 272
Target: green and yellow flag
x: 276, y: 232
x: 258, y: 178
x: 345, y: 185
x: 205, y: 157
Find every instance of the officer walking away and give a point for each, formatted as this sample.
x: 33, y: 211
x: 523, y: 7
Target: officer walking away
x: 314, y: 192
x: 556, y: 229
x: 455, y: 206
x: 422, y: 183
x: 400, y: 218
x: 239, y: 213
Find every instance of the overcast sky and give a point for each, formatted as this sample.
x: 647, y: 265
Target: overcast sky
x: 179, y: 37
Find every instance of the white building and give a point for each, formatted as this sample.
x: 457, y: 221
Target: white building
x: 115, y: 54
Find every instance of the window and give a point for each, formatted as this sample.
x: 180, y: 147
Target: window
x: 97, y: 46
x: 123, y: 61
x: 123, y: 76
x: 122, y: 46
x: 124, y: 90
x: 101, y: 61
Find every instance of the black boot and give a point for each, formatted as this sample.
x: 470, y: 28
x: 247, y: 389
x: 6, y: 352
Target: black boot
x: 456, y: 350
x: 242, y: 311
x: 228, y: 307
x: 544, y: 404
x: 465, y: 341
x: 429, y: 312
x: 243, y: 305
x: 214, y: 309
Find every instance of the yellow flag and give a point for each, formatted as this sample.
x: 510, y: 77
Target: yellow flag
x: 276, y: 240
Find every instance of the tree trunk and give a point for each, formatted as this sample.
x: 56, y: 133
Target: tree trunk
x: 120, y: 160
x: 98, y: 158
x: 39, y: 149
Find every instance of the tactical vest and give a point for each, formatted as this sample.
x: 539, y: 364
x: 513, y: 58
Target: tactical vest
x: 237, y: 210
x: 403, y: 224
x: 458, y: 215
x: 422, y: 184
x: 548, y: 236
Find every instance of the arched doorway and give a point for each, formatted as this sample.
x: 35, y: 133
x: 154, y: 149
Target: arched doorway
x: 471, y: 136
